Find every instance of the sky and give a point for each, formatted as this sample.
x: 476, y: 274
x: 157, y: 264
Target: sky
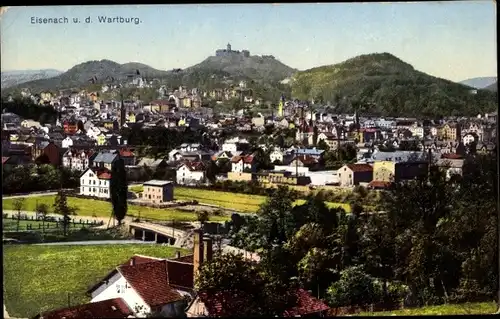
x: 452, y: 40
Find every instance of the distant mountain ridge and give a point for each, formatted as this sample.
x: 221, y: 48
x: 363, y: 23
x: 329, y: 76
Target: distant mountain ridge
x: 480, y: 82
x: 15, y: 77
x: 493, y: 87
x: 384, y: 84
x: 208, y: 73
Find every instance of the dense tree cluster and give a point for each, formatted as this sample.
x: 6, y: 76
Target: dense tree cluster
x: 33, y: 178
x: 383, y: 84
x: 27, y: 109
x: 436, y: 242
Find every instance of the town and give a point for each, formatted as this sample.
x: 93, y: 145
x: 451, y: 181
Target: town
x: 240, y: 186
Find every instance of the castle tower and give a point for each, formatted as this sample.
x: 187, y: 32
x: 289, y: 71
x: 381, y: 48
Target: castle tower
x: 228, y: 47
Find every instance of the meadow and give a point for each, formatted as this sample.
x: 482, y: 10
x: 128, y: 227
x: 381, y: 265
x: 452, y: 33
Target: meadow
x: 40, y: 278
x: 99, y: 208
x: 237, y: 201
x: 474, y: 308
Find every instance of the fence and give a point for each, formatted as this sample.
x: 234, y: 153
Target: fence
x: 51, y: 222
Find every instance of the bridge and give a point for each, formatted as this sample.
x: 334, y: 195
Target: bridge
x: 157, y: 233
x: 178, y: 238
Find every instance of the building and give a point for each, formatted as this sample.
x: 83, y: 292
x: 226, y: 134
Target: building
x: 228, y: 52
x: 243, y: 164
x: 282, y: 177
x: 390, y: 171
x: 75, y: 159
x: 157, y: 191
x: 96, y: 182
x: 190, y: 173
x: 354, y: 174
x: 109, y: 308
x: 105, y: 160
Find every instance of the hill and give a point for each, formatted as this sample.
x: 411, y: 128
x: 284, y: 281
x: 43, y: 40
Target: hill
x: 11, y: 78
x: 214, y: 72
x: 493, y: 87
x: 383, y: 84
x: 80, y: 75
x: 257, y: 68
x: 480, y: 83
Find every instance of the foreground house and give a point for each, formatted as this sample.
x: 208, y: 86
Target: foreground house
x: 190, y: 173
x: 354, y: 174
x: 96, y: 182
x: 110, y: 308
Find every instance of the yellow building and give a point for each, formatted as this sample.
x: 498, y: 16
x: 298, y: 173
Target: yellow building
x: 131, y: 118
x: 449, y: 131
x: 384, y: 171
x: 101, y: 139
x: 108, y: 125
x: 182, y: 122
x: 46, y: 96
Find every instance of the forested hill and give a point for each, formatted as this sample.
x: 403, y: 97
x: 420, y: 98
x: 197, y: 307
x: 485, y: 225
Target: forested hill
x: 384, y: 84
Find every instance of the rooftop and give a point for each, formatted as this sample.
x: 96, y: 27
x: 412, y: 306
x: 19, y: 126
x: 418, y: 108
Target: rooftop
x: 155, y: 182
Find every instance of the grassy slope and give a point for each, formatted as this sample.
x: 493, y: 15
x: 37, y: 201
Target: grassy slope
x: 450, y: 309
x: 88, y: 207
x: 236, y: 201
x: 40, y: 277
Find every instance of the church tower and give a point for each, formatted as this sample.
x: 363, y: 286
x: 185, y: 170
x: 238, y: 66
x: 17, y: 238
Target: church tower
x: 228, y: 47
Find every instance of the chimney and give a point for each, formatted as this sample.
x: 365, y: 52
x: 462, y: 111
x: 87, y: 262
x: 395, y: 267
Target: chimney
x: 132, y: 261
x: 198, y: 251
x: 178, y: 254
x: 208, y: 245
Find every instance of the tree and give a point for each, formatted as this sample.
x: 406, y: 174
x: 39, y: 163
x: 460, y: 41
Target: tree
x: 119, y: 190
x: 242, y: 288
x: 19, y: 204
x: 61, y: 207
x: 212, y: 171
x: 322, y: 145
x: 355, y: 287
x: 202, y: 216
x: 42, y: 210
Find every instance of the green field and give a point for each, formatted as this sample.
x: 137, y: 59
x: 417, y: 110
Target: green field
x: 237, y: 201
x: 40, y: 277
x: 475, y: 308
x: 89, y: 207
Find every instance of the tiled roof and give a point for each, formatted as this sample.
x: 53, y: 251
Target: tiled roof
x: 452, y: 156
x: 126, y: 153
x: 150, y: 281
x: 104, y: 175
x: 379, y: 184
x: 246, y: 159
x: 194, y: 166
x: 360, y: 167
x: 306, y: 304
x: 111, y: 308
x: 180, y: 274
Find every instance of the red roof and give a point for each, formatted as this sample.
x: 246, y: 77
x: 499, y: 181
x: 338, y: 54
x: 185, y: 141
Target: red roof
x: 379, y: 184
x: 126, y: 153
x: 248, y: 159
x: 111, y: 308
x: 452, y: 156
x: 150, y: 281
x: 306, y: 304
x: 4, y: 159
x: 104, y: 175
x: 360, y: 168
x: 185, y: 259
x: 194, y: 166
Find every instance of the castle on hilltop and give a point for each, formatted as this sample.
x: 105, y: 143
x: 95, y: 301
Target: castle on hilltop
x: 229, y: 52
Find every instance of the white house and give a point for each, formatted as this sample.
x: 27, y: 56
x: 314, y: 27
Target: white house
x: 93, y: 132
x: 174, y: 155
x: 469, y: 138
x: 30, y: 123
x: 276, y: 155
x: 229, y: 147
x: 190, y: 173
x: 67, y: 142
x: 240, y: 164
x: 417, y: 130
x: 76, y: 160
x: 95, y: 182
x: 148, y: 284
